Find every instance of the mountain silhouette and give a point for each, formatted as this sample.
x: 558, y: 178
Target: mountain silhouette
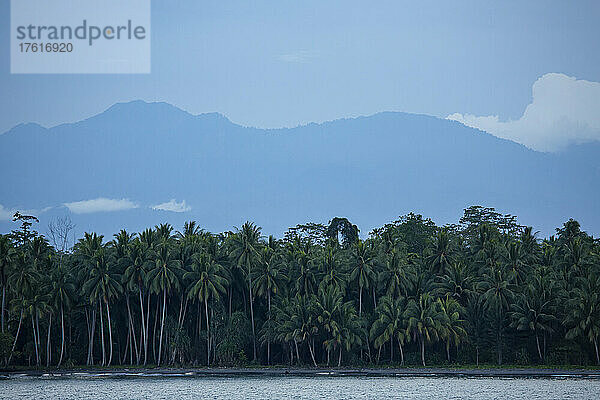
x: 369, y: 169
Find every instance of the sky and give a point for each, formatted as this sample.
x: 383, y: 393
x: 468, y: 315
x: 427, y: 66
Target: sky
x: 500, y: 66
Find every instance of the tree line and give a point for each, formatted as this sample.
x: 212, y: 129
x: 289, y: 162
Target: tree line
x: 485, y: 290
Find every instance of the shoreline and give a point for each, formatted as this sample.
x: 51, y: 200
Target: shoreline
x: 307, y: 372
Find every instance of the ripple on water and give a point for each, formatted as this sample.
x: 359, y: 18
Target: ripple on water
x: 142, y: 386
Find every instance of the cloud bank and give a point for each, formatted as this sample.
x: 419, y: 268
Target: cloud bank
x: 100, y: 205
x: 564, y: 111
x: 173, y: 206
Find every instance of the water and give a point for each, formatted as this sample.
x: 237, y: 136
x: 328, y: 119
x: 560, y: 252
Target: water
x: 240, y: 387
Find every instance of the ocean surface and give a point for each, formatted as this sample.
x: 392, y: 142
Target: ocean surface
x: 239, y: 387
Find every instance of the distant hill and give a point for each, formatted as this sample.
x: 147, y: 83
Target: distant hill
x: 369, y: 169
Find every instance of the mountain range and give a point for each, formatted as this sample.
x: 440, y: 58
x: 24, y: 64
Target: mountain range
x: 152, y: 162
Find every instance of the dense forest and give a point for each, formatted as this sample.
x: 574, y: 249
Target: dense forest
x: 485, y: 290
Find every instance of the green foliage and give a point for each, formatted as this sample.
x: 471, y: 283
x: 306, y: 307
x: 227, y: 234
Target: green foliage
x: 485, y: 290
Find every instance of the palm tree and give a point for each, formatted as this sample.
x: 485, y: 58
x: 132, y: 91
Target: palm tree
x: 206, y: 281
x: 245, y: 253
x: 103, y: 284
x: 497, y: 291
x: 476, y: 325
x: 534, y: 309
x: 452, y: 327
x: 328, y: 305
x: 6, y: 255
x: 458, y: 282
x: 23, y: 281
x: 424, y: 321
x: 134, y: 278
x: 394, y: 273
x: 349, y: 331
x: 583, y: 317
x: 62, y: 292
x: 442, y: 252
x: 334, y: 274
x: 268, y: 279
x: 163, y: 277
x: 305, y: 327
x: 390, y: 325
x: 362, y: 270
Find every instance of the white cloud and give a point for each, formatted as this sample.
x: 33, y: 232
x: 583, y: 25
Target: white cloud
x: 100, y: 205
x: 173, y: 206
x: 300, y: 56
x: 564, y: 111
x: 6, y: 214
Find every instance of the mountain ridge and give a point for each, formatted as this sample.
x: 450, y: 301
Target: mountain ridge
x: 368, y: 168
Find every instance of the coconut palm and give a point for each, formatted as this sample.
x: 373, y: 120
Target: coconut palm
x: 328, y: 306
x: 393, y: 274
x: 268, y: 279
x: 7, y: 252
x: 442, y: 252
x: 583, y: 312
x: 205, y: 281
x: 498, y: 291
x: 163, y: 277
x: 103, y: 285
x: 423, y: 321
x: 390, y: 324
x: 452, y: 329
x: 62, y: 292
x: 362, y: 268
x: 458, y: 282
x: 245, y: 253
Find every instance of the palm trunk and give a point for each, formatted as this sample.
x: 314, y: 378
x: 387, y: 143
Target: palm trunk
x: 143, y: 343
x: 62, y: 330
x: 252, y: 315
x: 230, y: 296
x: 423, y: 350
x: 401, y: 352
x: 110, y: 341
x: 269, y: 338
x: 597, y: 355
x: 35, y: 342
x: 537, y: 342
x: 16, y: 337
x: 360, y: 300
x: 297, y: 352
x: 374, y: 299
x: 91, y: 338
x: 207, y: 333
x: 127, y: 347
x: 156, y: 315
x: 102, y: 334
x: 391, y: 349
x: 147, y: 332
x: 39, y: 336
x: 48, y: 352
x: 340, y: 358
x: 312, y: 354
x: 132, y: 328
x: 448, y: 350
x: 162, y: 324
x: 3, y: 303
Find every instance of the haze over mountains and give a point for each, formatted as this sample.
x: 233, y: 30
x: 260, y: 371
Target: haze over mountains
x: 145, y: 163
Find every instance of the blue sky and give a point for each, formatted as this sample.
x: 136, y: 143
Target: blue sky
x: 284, y: 63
